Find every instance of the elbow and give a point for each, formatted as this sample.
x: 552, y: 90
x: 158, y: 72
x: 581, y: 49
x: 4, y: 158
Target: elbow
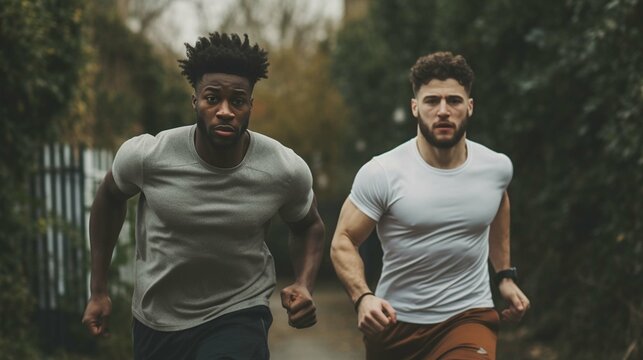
x: 314, y: 232
x: 338, y: 246
x: 319, y: 228
x: 334, y: 254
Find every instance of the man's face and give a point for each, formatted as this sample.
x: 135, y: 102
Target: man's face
x: 442, y: 108
x: 222, y: 103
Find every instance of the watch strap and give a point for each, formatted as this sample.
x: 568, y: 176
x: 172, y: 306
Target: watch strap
x: 511, y: 273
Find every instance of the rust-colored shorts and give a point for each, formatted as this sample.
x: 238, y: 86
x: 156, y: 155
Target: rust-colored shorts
x: 470, y: 335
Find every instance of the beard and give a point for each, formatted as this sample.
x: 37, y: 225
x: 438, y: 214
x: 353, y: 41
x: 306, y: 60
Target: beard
x: 446, y: 143
x: 217, y: 141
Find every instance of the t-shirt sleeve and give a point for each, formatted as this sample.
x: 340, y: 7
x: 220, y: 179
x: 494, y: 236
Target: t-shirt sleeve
x: 128, y: 165
x: 370, y: 190
x: 300, y: 194
x: 506, y: 172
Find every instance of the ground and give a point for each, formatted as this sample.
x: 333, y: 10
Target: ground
x: 335, y: 336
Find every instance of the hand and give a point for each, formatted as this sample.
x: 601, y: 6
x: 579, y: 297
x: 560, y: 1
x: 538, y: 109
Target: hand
x: 374, y: 315
x: 518, y: 302
x: 299, y: 305
x: 96, y: 315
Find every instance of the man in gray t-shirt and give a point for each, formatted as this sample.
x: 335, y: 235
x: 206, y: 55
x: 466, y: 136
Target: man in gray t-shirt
x: 207, y: 195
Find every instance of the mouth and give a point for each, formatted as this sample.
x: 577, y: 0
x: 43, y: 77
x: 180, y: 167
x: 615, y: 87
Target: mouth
x: 224, y: 130
x: 443, y: 127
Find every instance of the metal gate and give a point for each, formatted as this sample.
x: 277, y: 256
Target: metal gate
x: 62, y: 189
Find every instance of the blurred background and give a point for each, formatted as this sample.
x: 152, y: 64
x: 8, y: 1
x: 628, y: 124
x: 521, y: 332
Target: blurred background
x: 559, y: 89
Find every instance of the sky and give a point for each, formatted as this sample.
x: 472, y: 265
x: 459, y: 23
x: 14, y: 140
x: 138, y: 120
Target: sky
x: 180, y: 22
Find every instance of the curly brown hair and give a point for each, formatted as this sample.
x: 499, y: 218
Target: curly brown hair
x: 441, y: 65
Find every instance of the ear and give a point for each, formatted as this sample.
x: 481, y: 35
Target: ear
x: 193, y: 101
x: 414, y: 107
x: 470, y: 107
x: 252, y: 100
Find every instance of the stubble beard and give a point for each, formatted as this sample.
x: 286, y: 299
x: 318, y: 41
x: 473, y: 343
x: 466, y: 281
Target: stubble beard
x: 215, y: 141
x: 443, y: 144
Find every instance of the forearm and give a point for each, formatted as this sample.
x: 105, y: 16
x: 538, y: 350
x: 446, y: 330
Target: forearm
x: 306, y: 252
x: 349, y: 266
x: 499, y: 237
x: 106, y: 220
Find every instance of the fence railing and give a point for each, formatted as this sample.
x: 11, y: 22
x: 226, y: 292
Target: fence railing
x: 62, y: 190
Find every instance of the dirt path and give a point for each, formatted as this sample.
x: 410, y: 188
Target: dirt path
x: 334, y: 337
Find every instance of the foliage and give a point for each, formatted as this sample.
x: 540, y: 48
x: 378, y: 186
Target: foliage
x: 297, y: 106
x: 137, y: 88
x: 558, y: 88
x: 41, y: 55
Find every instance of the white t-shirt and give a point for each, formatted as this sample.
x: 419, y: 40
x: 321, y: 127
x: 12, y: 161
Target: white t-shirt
x: 433, y: 225
x: 200, y: 230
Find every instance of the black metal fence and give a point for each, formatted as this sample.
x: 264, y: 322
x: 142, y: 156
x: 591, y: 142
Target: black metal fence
x: 62, y: 190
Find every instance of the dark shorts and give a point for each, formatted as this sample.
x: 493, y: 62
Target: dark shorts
x: 471, y: 335
x: 239, y: 335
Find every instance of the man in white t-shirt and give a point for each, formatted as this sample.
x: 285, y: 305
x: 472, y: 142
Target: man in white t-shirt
x: 441, y: 210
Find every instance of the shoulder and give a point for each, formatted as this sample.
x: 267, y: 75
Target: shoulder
x: 271, y: 147
x: 134, y: 148
x: 178, y: 132
x: 164, y: 138
x: 388, y: 165
x: 173, y: 138
x: 396, y: 158
x: 273, y: 157
x: 493, y: 164
x: 168, y: 148
x: 485, y: 154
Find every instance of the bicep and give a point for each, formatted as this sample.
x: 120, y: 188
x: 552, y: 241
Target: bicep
x: 353, y: 224
x: 504, y: 204
x: 110, y: 189
x: 503, y: 207
x: 499, y: 227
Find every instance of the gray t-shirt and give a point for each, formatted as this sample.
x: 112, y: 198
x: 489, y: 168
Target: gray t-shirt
x: 200, y: 230
x: 434, y: 228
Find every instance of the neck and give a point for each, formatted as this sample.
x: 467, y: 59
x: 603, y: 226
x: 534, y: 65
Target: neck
x: 449, y: 158
x: 221, y: 157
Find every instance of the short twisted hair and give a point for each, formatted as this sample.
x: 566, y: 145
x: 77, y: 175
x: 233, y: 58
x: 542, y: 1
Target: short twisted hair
x: 223, y: 53
x: 441, y: 65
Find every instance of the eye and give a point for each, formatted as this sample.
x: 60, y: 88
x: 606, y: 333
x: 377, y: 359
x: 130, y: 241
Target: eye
x: 454, y: 100
x: 212, y: 99
x: 238, y: 101
x: 432, y: 100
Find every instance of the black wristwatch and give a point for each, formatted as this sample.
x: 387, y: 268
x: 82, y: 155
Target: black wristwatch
x: 511, y: 273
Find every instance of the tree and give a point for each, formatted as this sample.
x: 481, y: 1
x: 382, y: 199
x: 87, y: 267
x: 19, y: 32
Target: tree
x: 136, y: 87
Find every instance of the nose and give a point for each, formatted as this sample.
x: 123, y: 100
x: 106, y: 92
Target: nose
x: 224, y: 112
x: 443, y: 109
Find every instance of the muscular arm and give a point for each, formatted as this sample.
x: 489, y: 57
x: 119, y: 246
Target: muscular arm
x: 499, y: 245
x: 106, y: 219
x: 499, y: 254
x: 353, y: 228
x: 306, y: 251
